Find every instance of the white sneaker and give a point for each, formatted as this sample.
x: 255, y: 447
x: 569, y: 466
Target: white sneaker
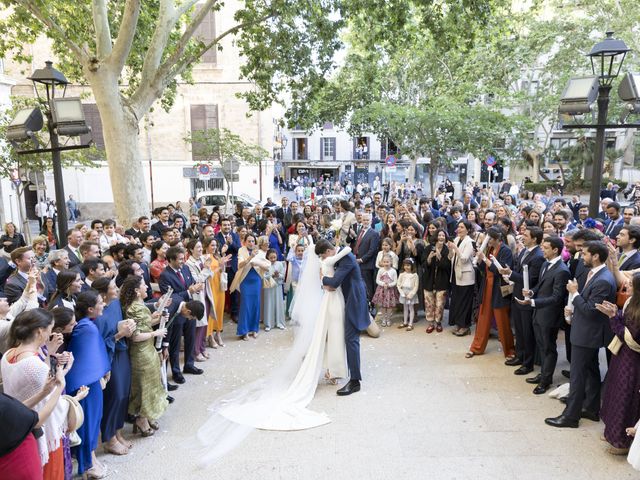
x: 267, y: 329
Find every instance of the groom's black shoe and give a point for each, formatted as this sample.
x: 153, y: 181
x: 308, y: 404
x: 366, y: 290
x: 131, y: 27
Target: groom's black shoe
x: 352, y: 386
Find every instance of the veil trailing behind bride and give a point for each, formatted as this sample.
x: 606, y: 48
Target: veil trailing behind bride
x: 279, y: 401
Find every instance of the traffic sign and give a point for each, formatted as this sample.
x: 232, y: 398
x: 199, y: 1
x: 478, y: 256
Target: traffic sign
x: 204, y: 169
x: 231, y: 166
x: 390, y: 160
x: 490, y: 161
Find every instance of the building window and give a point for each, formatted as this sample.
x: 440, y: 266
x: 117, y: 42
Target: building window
x: 300, y: 149
x: 206, y: 33
x: 328, y: 148
x: 558, y: 144
x: 203, y: 117
x: 361, y: 148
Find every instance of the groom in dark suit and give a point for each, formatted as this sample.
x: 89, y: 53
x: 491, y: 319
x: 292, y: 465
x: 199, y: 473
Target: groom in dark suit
x: 356, y: 318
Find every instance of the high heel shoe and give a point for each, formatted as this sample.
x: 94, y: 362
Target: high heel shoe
x: 154, y: 425
x: 218, y: 339
x: 144, y: 433
x: 211, y: 343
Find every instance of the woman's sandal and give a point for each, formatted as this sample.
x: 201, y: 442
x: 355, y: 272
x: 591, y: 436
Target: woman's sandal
x: 409, y: 328
x: 469, y: 354
x: 143, y: 433
x: 117, y: 450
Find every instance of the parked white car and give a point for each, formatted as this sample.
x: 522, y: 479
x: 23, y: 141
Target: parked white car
x: 217, y: 198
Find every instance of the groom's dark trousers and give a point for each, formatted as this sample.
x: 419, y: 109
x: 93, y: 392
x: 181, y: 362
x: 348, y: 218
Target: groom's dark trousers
x: 356, y: 312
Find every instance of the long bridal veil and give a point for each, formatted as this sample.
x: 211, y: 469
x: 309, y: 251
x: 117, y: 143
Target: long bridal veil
x: 277, y: 401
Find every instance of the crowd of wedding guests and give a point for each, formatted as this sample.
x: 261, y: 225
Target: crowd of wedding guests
x: 100, y: 332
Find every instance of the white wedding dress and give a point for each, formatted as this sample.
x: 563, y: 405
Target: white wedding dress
x: 279, y: 402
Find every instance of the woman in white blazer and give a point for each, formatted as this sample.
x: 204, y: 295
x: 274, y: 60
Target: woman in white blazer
x: 463, y: 279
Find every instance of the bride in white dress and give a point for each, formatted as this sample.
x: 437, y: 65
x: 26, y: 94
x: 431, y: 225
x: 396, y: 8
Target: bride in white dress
x: 279, y: 401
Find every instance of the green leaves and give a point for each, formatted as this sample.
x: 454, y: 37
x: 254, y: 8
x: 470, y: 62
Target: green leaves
x: 218, y: 145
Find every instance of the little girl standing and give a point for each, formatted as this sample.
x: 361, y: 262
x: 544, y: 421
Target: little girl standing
x: 408, y: 284
x: 386, y: 296
x: 387, y: 249
x: 272, y: 300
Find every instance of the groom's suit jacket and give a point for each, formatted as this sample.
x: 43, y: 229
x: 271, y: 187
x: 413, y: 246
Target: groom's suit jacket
x: 347, y: 275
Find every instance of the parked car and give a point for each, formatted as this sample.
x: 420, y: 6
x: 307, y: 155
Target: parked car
x: 217, y: 198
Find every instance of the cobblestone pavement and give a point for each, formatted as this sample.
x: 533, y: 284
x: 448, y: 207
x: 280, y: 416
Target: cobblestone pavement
x: 424, y: 412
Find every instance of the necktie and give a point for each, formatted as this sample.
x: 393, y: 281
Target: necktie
x: 79, y: 255
x: 545, y: 267
x: 181, y: 278
x: 589, y: 276
x: 622, y: 258
x: 359, y: 240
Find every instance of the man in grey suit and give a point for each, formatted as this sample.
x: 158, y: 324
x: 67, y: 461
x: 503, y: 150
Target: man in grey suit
x: 74, y: 240
x: 590, y: 331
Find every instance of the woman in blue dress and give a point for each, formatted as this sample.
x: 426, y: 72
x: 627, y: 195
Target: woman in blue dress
x: 251, y: 265
x: 114, y: 330
x: 91, y: 366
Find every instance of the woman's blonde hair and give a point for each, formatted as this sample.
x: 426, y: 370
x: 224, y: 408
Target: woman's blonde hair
x: 262, y: 240
x: 39, y: 239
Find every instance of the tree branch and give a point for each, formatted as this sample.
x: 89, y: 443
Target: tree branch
x: 166, y: 20
x: 186, y: 38
x: 146, y: 93
x: 180, y: 65
x: 122, y: 46
x: 101, y: 25
x: 32, y: 6
x: 186, y: 6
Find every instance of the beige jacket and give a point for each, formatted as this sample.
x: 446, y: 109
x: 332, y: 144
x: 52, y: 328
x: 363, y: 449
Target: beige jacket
x: 463, y: 267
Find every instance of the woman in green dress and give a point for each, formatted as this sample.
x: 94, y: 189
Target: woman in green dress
x: 148, y: 399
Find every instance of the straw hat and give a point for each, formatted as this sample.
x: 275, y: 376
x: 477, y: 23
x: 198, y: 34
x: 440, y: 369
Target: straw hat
x: 75, y: 417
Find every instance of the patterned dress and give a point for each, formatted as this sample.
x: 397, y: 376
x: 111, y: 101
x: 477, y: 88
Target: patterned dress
x: 620, y: 399
x: 386, y: 295
x: 148, y: 398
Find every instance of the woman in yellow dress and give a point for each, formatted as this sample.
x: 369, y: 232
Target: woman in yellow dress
x: 215, y: 293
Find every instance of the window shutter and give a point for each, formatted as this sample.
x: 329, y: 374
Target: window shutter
x: 321, y: 148
x: 333, y: 148
x: 92, y: 117
x: 206, y: 33
x: 203, y: 117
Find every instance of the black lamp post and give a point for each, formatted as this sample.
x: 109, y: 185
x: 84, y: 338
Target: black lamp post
x: 52, y: 78
x: 606, y: 61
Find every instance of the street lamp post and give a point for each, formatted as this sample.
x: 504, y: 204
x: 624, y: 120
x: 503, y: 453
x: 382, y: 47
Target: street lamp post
x: 50, y: 78
x: 606, y: 57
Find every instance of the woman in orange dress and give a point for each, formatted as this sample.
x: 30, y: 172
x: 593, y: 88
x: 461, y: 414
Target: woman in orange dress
x: 215, y: 294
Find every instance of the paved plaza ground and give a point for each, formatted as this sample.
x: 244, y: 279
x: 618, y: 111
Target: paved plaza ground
x: 424, y: 412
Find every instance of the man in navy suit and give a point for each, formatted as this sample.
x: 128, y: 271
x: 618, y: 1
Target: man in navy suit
x: 628, y: 241
x: 522, y: 315
x: 366, y: 249
x: 23, y: 258
x: 548, y: 298
x: 347, y: 275
x: 229, y: 243
x: 6, y: 269
x: 178, y: 277
x: 616, y: 220
x: 590, y: 331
